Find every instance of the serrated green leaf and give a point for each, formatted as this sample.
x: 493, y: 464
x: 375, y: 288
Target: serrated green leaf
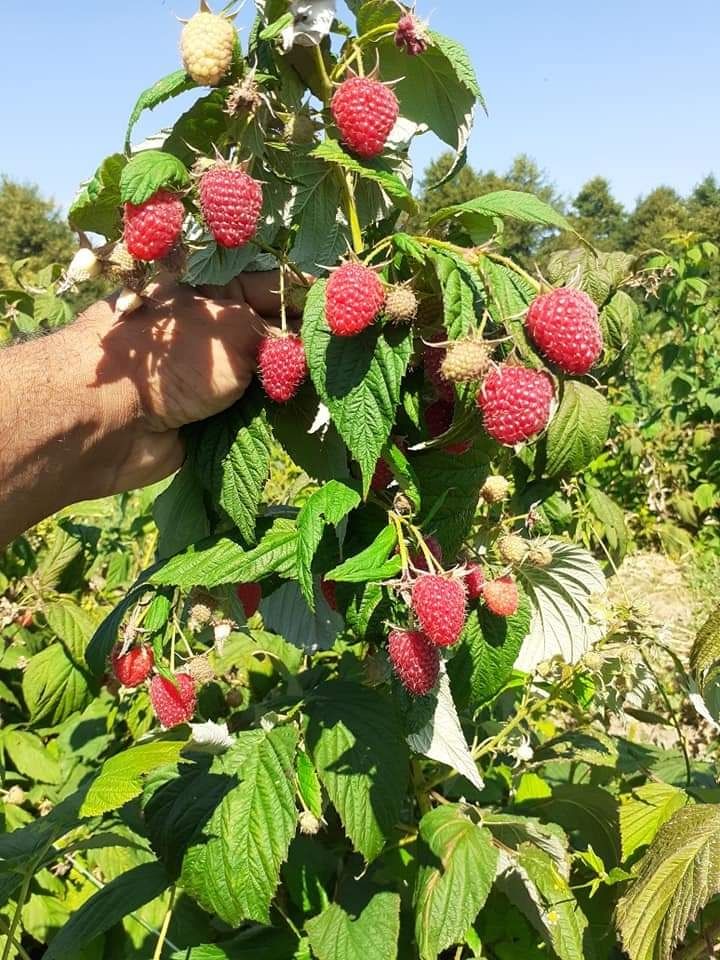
x: 331, y: 152
x: 588, y: 810
x: 335, y: 935
x: 224, y: 560
x: 322, y: 236
x: 63, y: 548
x: 456, y: 879
x: 513, y: 204
x: 620, y: 323
x: 287, y: 613
x: 706, y: 648
x: 676, y: 878
x: 170, y: 86
x: 585, y: 744
x: 180, y: 514
x: 96, y: 208
x: 358, y: 378
x: 328, y: 506
x: 487, y: 651
x: 462, y: 294
x: 372, y: 563
x: 308, y: 784
x: 29, y: 756
x: 107, y: 907
x: 149, y: 171
x: 231, y: 457
x: 510, y: 294
x: 199, y: 129
x: 275, y: 28
x: 232, y: 870
x: 120, y: 778
x: 644, y: 811
x: 322, y: 455
x: 578, y: 431
x: 355, y: 740
x: 611, y: 521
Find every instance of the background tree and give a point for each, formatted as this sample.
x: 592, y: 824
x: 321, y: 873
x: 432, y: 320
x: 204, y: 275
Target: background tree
x: 31, y: 226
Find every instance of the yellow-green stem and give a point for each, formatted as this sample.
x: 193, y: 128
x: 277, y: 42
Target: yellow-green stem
x: 352, y: 212
x: 165, y: 926
x: 376, y: 33
x: 22, y: 897
x: 325, y: 81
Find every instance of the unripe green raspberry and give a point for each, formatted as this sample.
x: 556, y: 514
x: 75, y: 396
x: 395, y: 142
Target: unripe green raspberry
x: 539, y: 555
x: 466, y: 361
x: 513, y: 549
x: 401, y: 304
x: 207, y: 45
x: 200, y: 670
x: 495, y: 490
x: 299, y: 128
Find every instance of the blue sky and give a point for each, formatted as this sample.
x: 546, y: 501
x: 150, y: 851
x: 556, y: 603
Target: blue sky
x: 626, y: 88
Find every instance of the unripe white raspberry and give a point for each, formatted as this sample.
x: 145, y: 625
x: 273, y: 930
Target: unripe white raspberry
x: 84, y: 266
x: 207, y: 45
x: 128, y: 302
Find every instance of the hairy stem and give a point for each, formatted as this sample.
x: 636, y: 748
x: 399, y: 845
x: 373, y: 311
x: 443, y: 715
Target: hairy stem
x: 22, y: 897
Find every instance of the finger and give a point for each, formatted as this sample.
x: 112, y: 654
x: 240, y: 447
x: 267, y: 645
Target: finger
x: 262, y: 292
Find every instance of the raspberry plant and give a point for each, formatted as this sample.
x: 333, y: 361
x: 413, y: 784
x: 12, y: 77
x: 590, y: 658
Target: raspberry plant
x: 326, y: 701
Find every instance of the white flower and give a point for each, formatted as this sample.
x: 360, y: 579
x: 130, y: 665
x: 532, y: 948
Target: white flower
x: 210, y: 737
x: 312, y: 22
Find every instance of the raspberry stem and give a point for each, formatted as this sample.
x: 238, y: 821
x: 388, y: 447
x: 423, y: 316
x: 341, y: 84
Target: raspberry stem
x: 511, y: 265
x: 402, y: 546
x: 355, y: 50
x: 352, y: 212
x: 325, y: 81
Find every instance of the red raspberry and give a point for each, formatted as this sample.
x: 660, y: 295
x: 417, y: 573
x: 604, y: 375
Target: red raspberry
x: 415, y: 660
x: 433, y: 359
x: 411, y: 35
x: 153, y: 228
x: 231, y: 204
x: 502, y: 596
x: 132, y: 668
x: 281, y: 366
x: 438, y: 420
x: 354, y: 298
x: 249, y: 595
x: 365, y: 112
x: 516, y: 402
x: 329, y: 591
x: 417, y: 558
x: 382, y: 478
x: 439, y: 605
x: 474, y: 581
x: 173, y: 705
x: 564, y: 325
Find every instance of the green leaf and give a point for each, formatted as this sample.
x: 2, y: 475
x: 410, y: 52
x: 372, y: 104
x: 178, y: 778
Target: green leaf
x: 358, y: 378
x: 96, y: 209
x: 706, y: 648
x: 322, y: 455
x: 620, y: 322
x: 147, y: 172
x: 170, y: 86
x: 456, y: 879
x: 335, y: 935
x: 257, y: 944
x: 231, y: 457
x: 510, y: 295
x: 486, y: 654
x: 275, y: 28
x: 321, y: 238
x: 372, y: 563
x: 462, y: 294
x: 513, y: 204
x: 63, y: 549
x: 105, y: 636
x: 30, y: 756
x: 676, y: 878
x: 578, y: 431
x: 584, y: 744
x: 354, y: 738
x: 116, y: 900
x: 287, y: 613
x: 590, y: 811
x: 180, y: 515
x: 611, y: 521
x: 232, y: 870
x: 562, y: 594
x: 331, y: 152
x: 308, y: 784
x: 644, y: 811
x: 329, y: 506
x: 533, y: 883
x: 224, y: 560
x: 56, y: 682
x: 120, y: 778
x: 199, y: 129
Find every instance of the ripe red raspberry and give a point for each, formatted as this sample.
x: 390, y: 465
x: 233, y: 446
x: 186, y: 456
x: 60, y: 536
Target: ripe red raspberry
x: 365, y: 112
x: 231, y: 204
x: 564, y: 326
x: 502, y: 596
x: 249, y: 595
x: 281, y: 366
x: 411, y: 35
x: 417, y: 557
x: 173, y: 705
x: 474, y: 581
x: 438, y: 420
x: 329, y: 591
x: 382, y: 478
x: 132, y: 668
x: 515, y: 402
x: 153, y: 228
x: 353, y: 299
x: 433, y: 359
x: 415, y: 660
x: 439, y: 605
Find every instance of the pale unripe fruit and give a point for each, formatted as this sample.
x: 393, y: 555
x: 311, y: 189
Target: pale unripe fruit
x: 513, y: 549
x: 401, y: 304
x: 207, y: 45
x: 15, y: 796
x: 199, y: 617
x: 128, y: 302
x: 84, y: 266
x: 495, y: 490
x: 540, y: 555
x: 466, y: 361
x: 200, y: 670
x: 309, y: 823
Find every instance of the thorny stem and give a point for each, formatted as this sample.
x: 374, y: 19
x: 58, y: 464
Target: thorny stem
x: 22, y: 897
x: 352, y: 211
x: 165, y: 925
x: 511, y: 265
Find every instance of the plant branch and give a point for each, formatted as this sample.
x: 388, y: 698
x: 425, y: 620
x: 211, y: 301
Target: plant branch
x: 22, y: 897
x: 165, y: 926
